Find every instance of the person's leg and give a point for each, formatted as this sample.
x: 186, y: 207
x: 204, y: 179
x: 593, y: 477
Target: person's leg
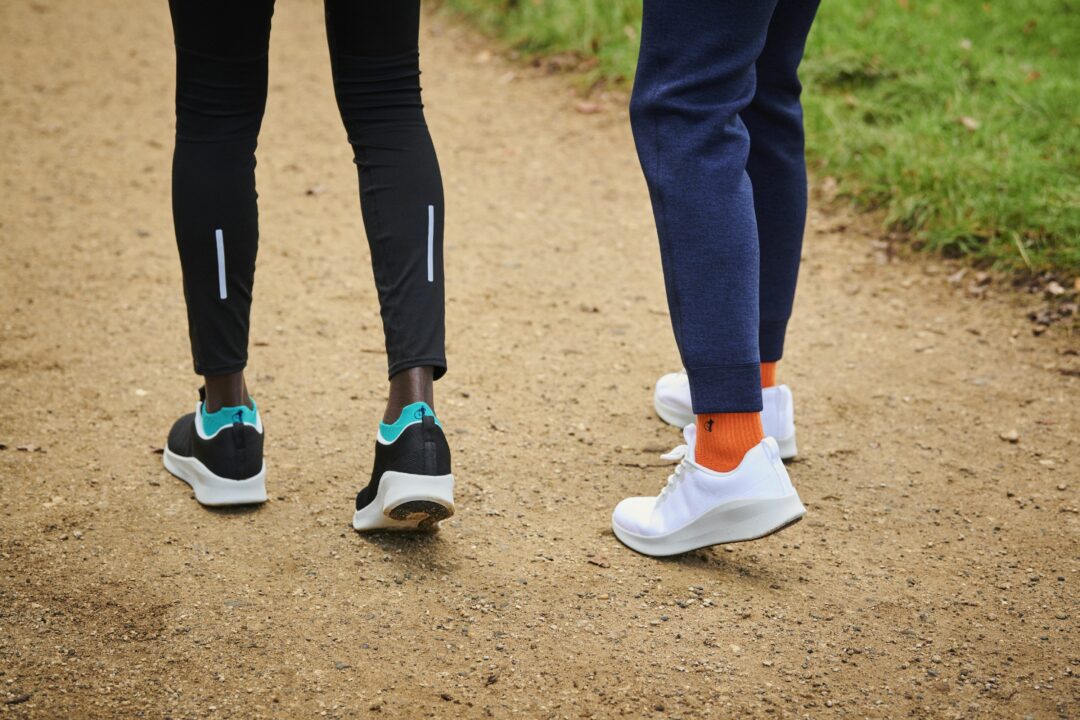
x: 777, y: 169
x: 375, y: 59
x: 220, y: 96
x: 695, y: 75
x: 221, y: 77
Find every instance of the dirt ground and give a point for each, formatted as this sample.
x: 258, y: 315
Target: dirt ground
x: 934, y: 575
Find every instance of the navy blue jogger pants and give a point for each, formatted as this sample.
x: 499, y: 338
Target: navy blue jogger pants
x: 718, y: 127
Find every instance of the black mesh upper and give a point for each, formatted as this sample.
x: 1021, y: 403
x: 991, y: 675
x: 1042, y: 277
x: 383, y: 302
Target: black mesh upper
x: 421, y: 449
x: 236, y: 452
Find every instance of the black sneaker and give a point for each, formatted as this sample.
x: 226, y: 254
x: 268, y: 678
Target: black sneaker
x: 411, y: 486
x: 219, y: 454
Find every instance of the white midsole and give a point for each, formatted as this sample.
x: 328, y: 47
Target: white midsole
x: 733, y: 521
x: 398, y: 488
x: 211, y: 489
x: 680, y: 419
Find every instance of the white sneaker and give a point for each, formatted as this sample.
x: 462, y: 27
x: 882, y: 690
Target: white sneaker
x: 699, y: 507
x: 672, y: 403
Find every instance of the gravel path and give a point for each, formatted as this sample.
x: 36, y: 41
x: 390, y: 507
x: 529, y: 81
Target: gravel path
x: 934, y: 576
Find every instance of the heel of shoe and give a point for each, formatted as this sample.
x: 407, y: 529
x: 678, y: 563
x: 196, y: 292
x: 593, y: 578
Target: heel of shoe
x: 403, y: 489
x: 408, y: 502
x: 671, y: 416
x: 761, y: 518
x: 788, y: 448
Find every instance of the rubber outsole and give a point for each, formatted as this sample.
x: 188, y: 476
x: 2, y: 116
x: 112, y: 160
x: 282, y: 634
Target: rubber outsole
x: 731, y: 522
x: 408, y: 502
x: 213, y: 490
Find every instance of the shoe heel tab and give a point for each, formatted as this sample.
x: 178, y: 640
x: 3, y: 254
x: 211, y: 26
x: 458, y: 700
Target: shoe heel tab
x: 412, y: 414
x: 416, y: 411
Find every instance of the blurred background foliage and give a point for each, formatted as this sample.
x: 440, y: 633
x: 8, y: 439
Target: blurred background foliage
x: 958, y: 120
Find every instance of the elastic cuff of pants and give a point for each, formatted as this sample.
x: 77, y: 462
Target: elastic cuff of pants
x: 220, y: 369
x: 771, y: 338
x: 726, y: 388
x: 437, y: 363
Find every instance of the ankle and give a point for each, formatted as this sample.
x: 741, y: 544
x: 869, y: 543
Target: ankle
x: 723, y: 439
x: 407, y: 387
x: 225, y: 391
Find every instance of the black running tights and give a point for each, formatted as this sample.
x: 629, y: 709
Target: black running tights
x: 221, y: 80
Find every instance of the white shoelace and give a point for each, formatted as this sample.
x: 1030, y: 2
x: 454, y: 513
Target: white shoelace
x: 677, y: 454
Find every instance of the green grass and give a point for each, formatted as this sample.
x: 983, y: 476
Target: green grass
x: 959, y: 120
x: 606, y: 30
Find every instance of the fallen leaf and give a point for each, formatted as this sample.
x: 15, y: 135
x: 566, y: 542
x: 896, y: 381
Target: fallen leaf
x: 829, y: 188
x: 968, y: 122
x: 587, y: 107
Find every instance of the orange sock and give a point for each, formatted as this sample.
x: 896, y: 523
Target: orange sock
x: 724, y: 438
x: 768, y: 375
